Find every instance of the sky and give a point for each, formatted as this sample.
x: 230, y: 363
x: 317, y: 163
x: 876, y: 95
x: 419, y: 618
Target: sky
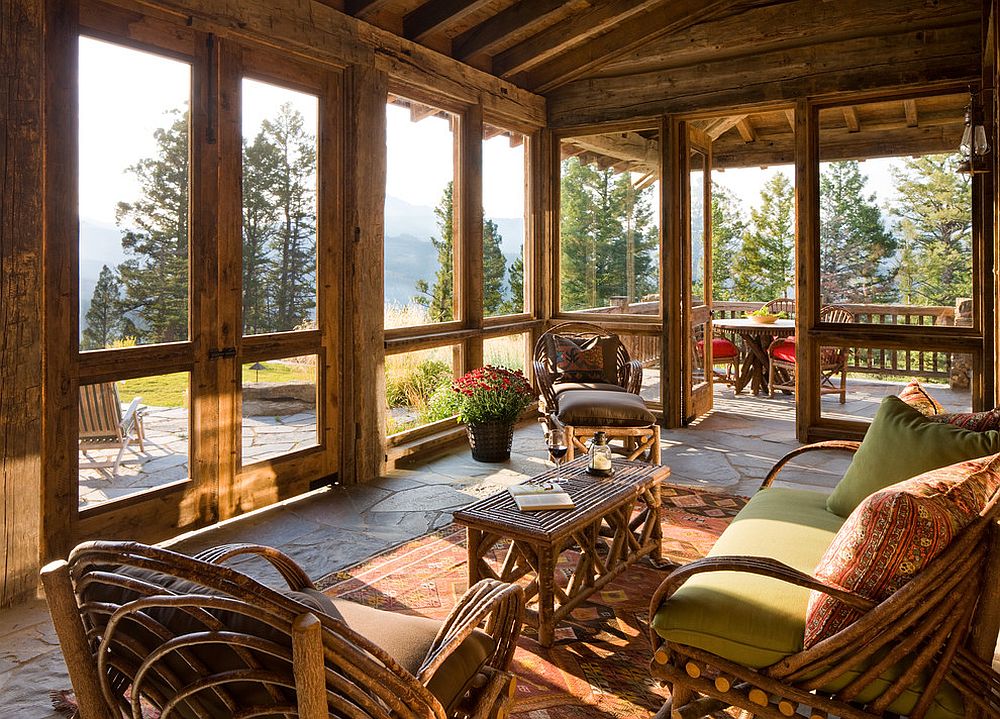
x: 116, y: 130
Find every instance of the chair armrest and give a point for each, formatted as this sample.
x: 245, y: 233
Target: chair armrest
x: 834, y: 444
x: 132, y: 414
x: 544, y: 381
x: 633, y: 376
x: 750, y: 565
x: 290, y: 571
x: 499, y: 604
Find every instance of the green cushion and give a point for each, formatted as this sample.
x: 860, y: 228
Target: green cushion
x: 902, y: 443
x: 747, y: 618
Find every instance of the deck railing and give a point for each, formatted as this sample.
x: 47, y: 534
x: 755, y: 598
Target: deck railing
x: 887, y: 363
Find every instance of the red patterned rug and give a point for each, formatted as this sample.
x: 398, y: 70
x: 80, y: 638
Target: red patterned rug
x: 599, y: 666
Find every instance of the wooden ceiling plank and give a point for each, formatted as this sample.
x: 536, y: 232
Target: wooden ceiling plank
x: 364, y: 8
x: 625, y: 37
x: 851, y: 118
x: 538, y: 48
x: 910, y: 108
x: 745, y: 128
x: 524, y: 18
x: 435, y: 15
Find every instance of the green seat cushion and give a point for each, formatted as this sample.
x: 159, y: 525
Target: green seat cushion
x: 902, y: 443
x: 751, y: 619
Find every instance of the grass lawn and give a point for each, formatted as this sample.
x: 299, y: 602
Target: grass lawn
x: 167, y: 390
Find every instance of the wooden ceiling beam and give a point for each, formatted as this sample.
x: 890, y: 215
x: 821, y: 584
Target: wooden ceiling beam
x: 437, y: 14
x: 851, y: 118
x: 790, y: 117
x: 626, y: 36
x: 624, y: 146
x: 525, y: 18
x: 720, y: 126
x: 910, y: 108
x: 908, y: 60
x: 364, y: 8
x: 745, y: 128
x: 603, y: 15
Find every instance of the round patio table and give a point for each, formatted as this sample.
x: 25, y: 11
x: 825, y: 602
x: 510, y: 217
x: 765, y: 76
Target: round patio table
x: 757, y: 337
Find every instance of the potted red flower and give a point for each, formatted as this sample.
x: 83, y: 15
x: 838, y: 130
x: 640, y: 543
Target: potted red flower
x: 489, y: 400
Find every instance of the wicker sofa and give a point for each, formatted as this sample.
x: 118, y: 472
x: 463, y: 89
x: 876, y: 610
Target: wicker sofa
x: 728, y: 630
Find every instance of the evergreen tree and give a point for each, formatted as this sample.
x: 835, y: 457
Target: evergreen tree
x: 763, y: 268
x: 607, y: 242
x: 104, y: 320
x: 728, y: 227
x: 494, y: 270
x: 260, y: 224
x: 515, y: 275
x: 155, y: 238
x: 934, y: 214
x: 855, y: 246
x: 293, y: 244
x: 439, y: 298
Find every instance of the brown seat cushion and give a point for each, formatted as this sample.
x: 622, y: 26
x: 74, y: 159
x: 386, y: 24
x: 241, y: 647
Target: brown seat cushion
x: 561, y: 387
x: 597, y: 408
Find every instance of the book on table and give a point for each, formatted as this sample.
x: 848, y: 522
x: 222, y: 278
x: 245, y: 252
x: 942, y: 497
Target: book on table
x: 536, y: 497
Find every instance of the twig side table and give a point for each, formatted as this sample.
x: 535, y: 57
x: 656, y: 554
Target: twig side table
x: 623, y: 508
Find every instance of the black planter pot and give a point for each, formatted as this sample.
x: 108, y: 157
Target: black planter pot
x: 490, y: 441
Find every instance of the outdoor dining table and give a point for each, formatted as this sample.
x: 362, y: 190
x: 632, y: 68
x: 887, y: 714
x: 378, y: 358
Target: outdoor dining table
x: 757, y: 337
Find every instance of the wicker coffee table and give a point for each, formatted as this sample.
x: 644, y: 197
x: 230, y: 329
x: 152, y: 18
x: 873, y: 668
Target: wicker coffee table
x: 622, y: 508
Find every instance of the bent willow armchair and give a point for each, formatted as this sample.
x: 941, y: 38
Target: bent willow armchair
x: 143, y: 627
x: 925, y: 651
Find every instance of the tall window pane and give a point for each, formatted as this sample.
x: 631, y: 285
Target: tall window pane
x: 133, y: 183
x: 503, y: 222
x: 279, y: 208
x: 609, y: 229
x: 419, y: 215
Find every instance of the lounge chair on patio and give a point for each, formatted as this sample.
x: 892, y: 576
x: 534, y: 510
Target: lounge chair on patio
x: 833, y: 360
x: 192, y: 638
x: 589, y: 384
x: 102, y: 424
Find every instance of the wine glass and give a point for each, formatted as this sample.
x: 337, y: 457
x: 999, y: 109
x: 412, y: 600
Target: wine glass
x: 556, y: 439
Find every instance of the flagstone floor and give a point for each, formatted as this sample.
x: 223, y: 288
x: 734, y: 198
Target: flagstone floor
x: 729, y: 449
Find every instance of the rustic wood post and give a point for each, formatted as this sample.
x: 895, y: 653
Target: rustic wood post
x: 468, y: 270
x: 363, y: 351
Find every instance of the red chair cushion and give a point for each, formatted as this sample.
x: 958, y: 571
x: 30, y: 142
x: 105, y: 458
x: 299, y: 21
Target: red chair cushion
x: 784, y: 350
x: 722, y: 349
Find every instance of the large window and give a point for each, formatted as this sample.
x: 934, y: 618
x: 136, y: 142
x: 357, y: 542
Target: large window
x: 609, y: 236
x: 419, y: 215
x: 134, y: 196
x: 279, y: 208
x: 418, y: 387
x: 503, y: 222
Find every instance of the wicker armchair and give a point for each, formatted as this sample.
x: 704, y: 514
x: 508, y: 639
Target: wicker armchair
x: 140, y: 624
x: 934, y: 632
x: 585, y: 408
x: 832, y: 360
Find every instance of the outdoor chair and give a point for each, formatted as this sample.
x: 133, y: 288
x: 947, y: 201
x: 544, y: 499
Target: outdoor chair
x: 102, y: 424
x: 782, y: 304
x: 833, y: 360
x: 728, y: 630
x: 588, y: 383
x: 724, y: 353
x: 188, y: 637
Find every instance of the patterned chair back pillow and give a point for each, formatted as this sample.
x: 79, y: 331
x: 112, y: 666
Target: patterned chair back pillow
x: 584, y: 359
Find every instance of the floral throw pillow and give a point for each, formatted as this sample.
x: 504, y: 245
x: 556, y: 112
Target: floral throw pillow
x: 894, y: 534
x: 972, y: 421
x: 917, y: 397
x: 578, y: 360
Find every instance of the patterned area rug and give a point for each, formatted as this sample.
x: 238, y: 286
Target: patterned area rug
x: 599, y: 666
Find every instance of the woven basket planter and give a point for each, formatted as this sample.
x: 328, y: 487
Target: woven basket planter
x: 490, y: 441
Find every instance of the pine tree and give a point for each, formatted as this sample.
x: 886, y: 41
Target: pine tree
x: 607, y: 242
x: 260, y: 224
x: 104, y: 320
x: 728, y: 227
x: 763, y: 267
x: 155, y: 238
x: 855, y: 246
x: 933, y: 208
x: 293, y: 245
x: 439, y: 298
x: 515, y: 279
x: 494, y: 270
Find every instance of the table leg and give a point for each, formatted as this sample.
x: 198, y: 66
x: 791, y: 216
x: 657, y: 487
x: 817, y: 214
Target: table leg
x: 473, y: 539
x: 546, y: 596
x: 758, y: 355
